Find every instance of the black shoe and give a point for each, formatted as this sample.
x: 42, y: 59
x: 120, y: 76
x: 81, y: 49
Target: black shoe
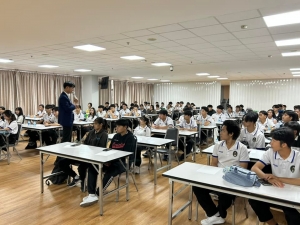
x: 165, y: 158
x: 181, y: 158
x: 4, y: 149
x: 31, y: 145
x: 74, y: 182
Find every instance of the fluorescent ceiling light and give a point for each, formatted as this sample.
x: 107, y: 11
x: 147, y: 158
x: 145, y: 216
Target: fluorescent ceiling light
x: 282, y: 19
x: 293, y: 69
x: 295, y: 41
x: 202, y: 74
x: 89, y: 48
x: 285, y: 54
x: 213, y: 76
x: 161, y: 64
x: 132, y: 57
x: 296, y: 72
x: 164, y: 80
x: 137, y: 77
x: 48, y: 66
x: 82, y: 70
x: 222, y: 78
x: 152, y: 79
x: 296, y: 75
x: 5, y: 60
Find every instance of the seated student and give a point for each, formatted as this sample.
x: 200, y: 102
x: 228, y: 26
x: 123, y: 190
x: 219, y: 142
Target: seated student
x: 106, y: 106
x: 211, y: 111
x: 237, y: 111
x: 190, y: 125
x: 280, y: 108
x: 193, y: 105
x: 124, y: 111
x: 112, y: 112
x: 135, y: 111
x: 204, y: 120
x: 162, y: 106
x: 295, y: 126
x: 251, y: 135
x: 271, y: 116
x: 180, y: 108
x: 145, y: 105
x: 264, y: 122
x: 148, y: 105
x: 288, y: 116
x: 91, y: 118
x: 78, y: 116
x: 219, y: 116
x: 227, y: 152
x: 117, y: 107
x: 143, y: 129
x: 101, y: 112
x: 50, y: 136
x: 10, y: 124
x: 151, y: 110
x: 33, y: 135
x: 87, y: 111
x: 170, y: 110
x: 2, y: 109
x: 188, y: 107
x: 124, y: 141
x: 41, y: 111
x: 96, y: 137
x: 283, y: 108
x: 142, y: 109
x: 243, y: 112
x: 229, y: 112
x: 285, y: 163
x: 19, y: 115
x: 297, y: 110
x: 278, y: 115
x: 177, y: 106
x: 157, y: 108
x: 163, y: 121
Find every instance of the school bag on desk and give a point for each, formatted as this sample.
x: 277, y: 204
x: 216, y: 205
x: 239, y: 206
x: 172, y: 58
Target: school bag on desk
x: 240, y: 176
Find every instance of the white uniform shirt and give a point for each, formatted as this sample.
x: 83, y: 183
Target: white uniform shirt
x: 48, y: 118
x: 191, y: 125
x: 78, y: 117
x: 267, y: 124
x: 116, y: 113
x: 237, y: 114
x: 203, y: 120
x: 2, y: 123
x: 133, y: 114
x: 256, y: 139
x: 219, y: 117
x: 13, y: 127
x: 288, y: 168
x: 123, y: 112
x: 229, y: 115
x: 140, y: 131
x: 91, y: 118
x: 161, y: 123
x: 20, y: 119
x: 101, y: 114
x: 41, y: 113
x: 237, y: 154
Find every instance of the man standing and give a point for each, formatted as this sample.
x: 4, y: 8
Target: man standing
x: 66, y: 107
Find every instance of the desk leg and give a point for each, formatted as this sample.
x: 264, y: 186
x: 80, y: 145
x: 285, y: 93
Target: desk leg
x: 170, y: 156
x: 155, y: 165
x: 127, y: 178
x: 42, y: 171
x: 7, y: 149
x: 100, y: 189
x: 184, y: 148
x: 171, y: 190
x: 41, y: 140
x: 191, y: 202
x: 79, y: 134
x: 208, y: 159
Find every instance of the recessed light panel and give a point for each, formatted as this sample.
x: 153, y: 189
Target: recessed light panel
x: 202, y: 74
x: 296, y: 72
x: 222, y: 78
x: 282, y: 19
x: 6, y: 60
x: 48, y: 66
x: 137, y: 77
x: 288, y: 42
x: 82, y: 70
x: 132, y: 57
x: 164, y: 80
x: 286, y: 54
x: 89, y: 48
x: 161, y: 64
x: 293, y: 69
x: 213, y: 76
x: 152, y: 79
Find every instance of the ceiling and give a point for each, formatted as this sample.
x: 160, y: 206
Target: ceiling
x: 194, y: 36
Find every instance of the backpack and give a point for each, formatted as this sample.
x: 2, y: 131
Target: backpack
x: 57, y: 179
x: 240, y: 176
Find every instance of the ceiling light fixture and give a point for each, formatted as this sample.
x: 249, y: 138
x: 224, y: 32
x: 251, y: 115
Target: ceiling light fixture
x: 6, y: 60
x: 152, y: 79
x: 282, y: 19
x: 89, y: 48
x: 137, y: 77
x: 202, y: 74
x: 213, y: 76
x: 296, y: 72
x: 293, y: 69
x: 48, y: 66
x: 244, y: 27
x: 161, y: 64
x: 296, y: 75
x: 132, y: 57
x: 222, y: 78
x: 286, y: 54
x: 164, y: 80
x: 82, y: 70
x: 289, y: 42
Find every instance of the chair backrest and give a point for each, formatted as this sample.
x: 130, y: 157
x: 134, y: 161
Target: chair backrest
x: 135, y: 150
x: 18, y: 134
x: 173, y: 133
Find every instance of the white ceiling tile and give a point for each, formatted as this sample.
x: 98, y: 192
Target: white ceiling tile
x: 201, y: 46
x: 252, y: 24
x: 190, y: 41
x: 265, y: 49
x: 210, y: 50
x: 219, y: 37
x: 278, y: 37
x: 157, y: 51
x: 216, y: 53
x: 138, y: 33
x: 235, y: 47
x: 167, y: 28
x: 285, y: 29
x: 210, y: 30
x: 252, y: 33
x: 73, y: 43
x: 175, y: 35
x: 256, y: 40
x: 158, y: 38
x: 110, y: 45
x: 200, y: 23
x: 262, y: 45
x: 92, y: 40
x: 165, y: 44
x: 177, y: 48
x: 233, y: 51
x: 113, y: 37
x: 143, y: 47
x: 188, y: 52
x: 238, y: 16
x: 128, y: 42
x: 226, y: 43
x: 124, y: 49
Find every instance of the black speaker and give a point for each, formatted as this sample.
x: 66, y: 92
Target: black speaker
x: 104, y: 82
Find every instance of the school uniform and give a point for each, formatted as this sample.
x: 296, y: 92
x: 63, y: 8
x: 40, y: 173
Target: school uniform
x: 237, y: 114
x: 278, y: 116
x: 229, y: 115
x: 13, y: 130
x: 287, y: 168
x: 267, y: 124
x: 85, y: 129
x: 116, y: 113
x: 141, y: 131
x: 78, y: 117
x: 20, y: 119
x: 226, y: 157
x: 123, y: 112
x: 203, y: 120
x: 254, y: 140
x: 219, y: 117
x: 41, y: 113
x: 168, y: 122
x: 101, y: 114
x: 106, y: 108
x: 210, y: 113
x: 189, y: 141
x: 296, y: 144
x: 151, y: 111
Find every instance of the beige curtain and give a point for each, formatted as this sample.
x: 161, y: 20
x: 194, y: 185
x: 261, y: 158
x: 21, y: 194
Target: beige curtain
x: 29, y: 89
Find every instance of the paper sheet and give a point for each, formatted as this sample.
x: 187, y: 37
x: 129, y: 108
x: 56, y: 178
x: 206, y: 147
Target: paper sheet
x: 105, y: 153
x: 209, y: 170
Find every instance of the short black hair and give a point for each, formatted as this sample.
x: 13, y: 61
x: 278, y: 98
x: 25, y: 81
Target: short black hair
x: 297, y: 107
x: 264, y: 112
x: 275, y: 106
x: 284, y: 135
x: 20, y: 111
x: 280, y: 105
x: 292, y: 114
x: 107, y: 103
x: 242, y: 106
x: 229, y: 106
x: 188, y: 113
x: 100, y: 120
x: 220, y: 107
x: 232, y: 128
x: 49, y: 106
x: 209, y: 106
x: 55, y: 109
x: 69, y: 84
x: 163, y: 112
x: 251, y: 117
x: 294, y: 126
x: 42, y: 105
x: 100, y: 106
x: 137, y: 106
x: 205, y: 108
x: 90, y: 104
x: 284, y: 106
x: 2, y: 107
x: 112, y: 105
x: 125, y: 104
x: 78, y: 106
x: 9, y: 114
x: 122, y: 122
x: 238, y: 106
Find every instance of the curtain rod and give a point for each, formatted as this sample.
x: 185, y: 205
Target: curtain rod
x: 28, y: 71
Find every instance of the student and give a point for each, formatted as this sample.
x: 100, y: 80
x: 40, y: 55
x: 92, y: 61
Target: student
x: 117, y: 107
x: 91, y: 118
x: 143, y: 129
x: 106, y: 106
x: 97, y: 137
x: 211, y: 111
x: 280, y: 108
x: 180, y: 108
x: 87, y: 111
x: 295, y: 126
x: 148, y: 105
x: 205, y: 120
x: 163, y: 121
x: 50, y: 136
x: 227, y: 152
x: 123, y: 141
x: 169, y: 109
x: 237, y: 111
x: 142, y: 109
x: 135, y: 111
x: 285, y: 163
x: 229, y: 112
x: 188, y: 107
x: 219, y: 116
x: 251, y: 135
x: 151, y: 110
x: 190, y: 125
x: 283, y: 108
x: 41, y: 112
x: 78, y: 115
x: 278, y: 115
x: 264, y: 122
x: 124, y: 111
x: 297, y: 110
x: 288, y: 116
x: 101, y: 113
x: 19, y: 115
x: 243, y: 112
x: 112, y: 112
x: 162, y: 106
x: 157, y: 108
x: 10, y: 124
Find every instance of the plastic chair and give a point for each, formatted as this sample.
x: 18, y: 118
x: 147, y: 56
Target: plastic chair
x: 17, y: 141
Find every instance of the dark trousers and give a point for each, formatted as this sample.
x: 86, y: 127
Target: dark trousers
x: 138, y: 158
x: 64, y: 164
x: 84, y: 130
x: 11, y: 139
x: 49, y: 137
x: 206, y: 202
x: 67, y: 134
x: 33, y: 136
x: 189, y: 144
x: 262, y: 210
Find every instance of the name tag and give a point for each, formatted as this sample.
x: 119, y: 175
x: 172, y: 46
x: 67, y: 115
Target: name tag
x: 275, y: 165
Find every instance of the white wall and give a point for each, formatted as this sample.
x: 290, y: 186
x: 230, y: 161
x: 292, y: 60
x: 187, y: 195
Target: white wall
x: 262, y: 94
x: 200, y: 93
x: 90, y: 91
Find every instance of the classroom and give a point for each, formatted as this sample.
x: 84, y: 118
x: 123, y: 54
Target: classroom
x: 150, y: 113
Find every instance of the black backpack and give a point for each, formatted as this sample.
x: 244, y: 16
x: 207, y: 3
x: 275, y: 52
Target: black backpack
x: 57, y: 179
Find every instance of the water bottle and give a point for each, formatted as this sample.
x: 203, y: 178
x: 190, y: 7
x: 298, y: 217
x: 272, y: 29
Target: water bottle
x: 28, y: 123
x: 220, y: 120
x: 34, y: 123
